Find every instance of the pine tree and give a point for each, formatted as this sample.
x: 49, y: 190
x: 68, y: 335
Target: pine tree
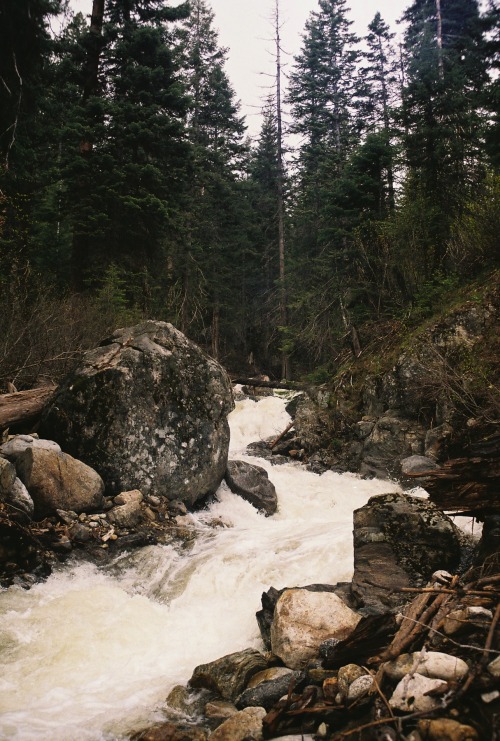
x: 124, y: 179
x: 25, y: 46
x: 202, y: 268
x: 441, y: 112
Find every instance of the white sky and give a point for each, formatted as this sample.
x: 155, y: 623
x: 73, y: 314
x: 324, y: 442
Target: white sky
x: 245, y: 28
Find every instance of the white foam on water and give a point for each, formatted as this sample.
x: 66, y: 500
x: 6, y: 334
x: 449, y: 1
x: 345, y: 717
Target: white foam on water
x: 90, y: 654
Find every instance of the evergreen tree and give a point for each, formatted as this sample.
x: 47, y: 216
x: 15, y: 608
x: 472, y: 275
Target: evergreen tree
x: 124, y: 179
x: 203, y: 266
x: 441, y: 112
x: 25, y: 46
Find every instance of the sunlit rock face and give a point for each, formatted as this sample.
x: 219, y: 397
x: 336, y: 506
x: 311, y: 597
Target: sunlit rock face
x: 148, y: 410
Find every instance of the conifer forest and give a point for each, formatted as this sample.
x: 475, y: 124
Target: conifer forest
x: 129, y: 187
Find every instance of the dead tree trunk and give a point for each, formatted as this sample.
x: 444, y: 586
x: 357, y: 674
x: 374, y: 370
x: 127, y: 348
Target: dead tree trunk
x: 24, y: 407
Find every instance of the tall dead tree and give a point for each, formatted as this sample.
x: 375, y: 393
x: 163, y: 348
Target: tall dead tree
x: 283, y: 313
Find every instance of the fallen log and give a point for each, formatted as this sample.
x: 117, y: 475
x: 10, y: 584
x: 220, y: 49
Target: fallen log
x: 24, y: 407
x: 256, y: 382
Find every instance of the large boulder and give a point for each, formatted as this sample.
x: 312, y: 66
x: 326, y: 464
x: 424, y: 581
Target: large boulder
x: 252, y: 484
x: 148, y: 410
x: 399, y: 541
x: 303, y: 620
x: 58, y: 481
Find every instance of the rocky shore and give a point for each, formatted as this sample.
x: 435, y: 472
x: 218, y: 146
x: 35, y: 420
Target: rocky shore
x: 409, y: 649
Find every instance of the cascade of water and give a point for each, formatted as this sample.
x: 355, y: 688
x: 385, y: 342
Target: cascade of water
x: 90, y: 654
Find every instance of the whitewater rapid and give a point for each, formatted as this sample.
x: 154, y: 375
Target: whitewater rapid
x: 91, y: 653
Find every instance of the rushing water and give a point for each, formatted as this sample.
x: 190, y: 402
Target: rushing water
x: 90, y: 654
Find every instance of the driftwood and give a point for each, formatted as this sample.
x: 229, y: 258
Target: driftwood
x: 24, y: 406
x: 256, y: 382
x: 468, y: 485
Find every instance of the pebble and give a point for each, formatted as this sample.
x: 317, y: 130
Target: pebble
x: 444, y: 729
x: 434, y: 664
x: 463, y: 617
x: 410, y: 695
x: 494, y: 667
x: 359, y: 688
x: 347, y: 675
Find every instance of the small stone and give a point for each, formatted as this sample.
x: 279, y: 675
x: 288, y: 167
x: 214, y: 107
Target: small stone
x: 464, y: 617
x: 411, y: 694
x: 126, y: 497
x: 347, y: 675
x: 444, y: 729
x: 245, y: 724
x: 488, y: 697
x: 220, y: 709
x: 267, y: 675
x: 432, y: 664
x: 331, y: 688
x: 494, y: 667
x: 359, y: 688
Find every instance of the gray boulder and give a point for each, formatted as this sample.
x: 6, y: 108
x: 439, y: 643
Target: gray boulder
x: 58, y: 481
x: 7, y: 478
x: 19, y: 443
x: 148, y: 410
x: 252, y: 484
x: 399, y: 541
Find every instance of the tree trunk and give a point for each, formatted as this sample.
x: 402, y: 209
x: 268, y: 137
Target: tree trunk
x: 285, y: 359
x: 24, y: 406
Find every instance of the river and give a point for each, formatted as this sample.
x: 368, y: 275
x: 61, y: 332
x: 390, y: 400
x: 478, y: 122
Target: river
x: 91, y: 653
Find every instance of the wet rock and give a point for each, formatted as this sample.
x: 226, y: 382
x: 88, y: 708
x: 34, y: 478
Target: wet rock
x: 57, y: 481
x: 128, y: 497
x: 187, y: 701
x: 252, y: 484
x: 268, y: 693
x: 267, y: 675
x: 303, y: 620
x: 220, y: 709
x: 445, y: 729
x: 417, y: 464
x: 434, y: 664
x: 228, y: 676
x: 399, y: 541
x: 411, y: 694
x: 245, y: 725
x: 147, y: 409
x: 172, y: 732
x: 393, y: 438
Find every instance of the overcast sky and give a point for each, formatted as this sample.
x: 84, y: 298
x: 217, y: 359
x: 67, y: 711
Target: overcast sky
x: 245, y: 28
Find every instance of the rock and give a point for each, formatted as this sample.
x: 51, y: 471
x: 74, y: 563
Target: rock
x: 57, y: 481
x: 188, y: 702
x: 399, y: 541
x: 393, y: 437
x: 228, y: 676
x: 20, y: 498
x: 148, y: 410
x: 417, y: 464
x: 267, y: 675
x: 445, y: 729
x: 359, y: 688
x: 172, y: 732
x: 268, y: 693
x: 220, y: 709
x: 128, y: 511
x: 7, y: 478
x: 432, y: 664
x: 347, y: 675
x: 128, y: 497
x: 466, y: 617
x: 303, y: 620
x: 19, y: 443
x: 245, y: 725
x: 494, y: 667
x: 252, y: 484
x: 411, y: 694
